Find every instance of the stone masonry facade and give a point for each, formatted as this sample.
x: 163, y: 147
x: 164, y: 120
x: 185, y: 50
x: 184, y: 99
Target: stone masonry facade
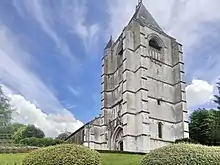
x: 143, y: 104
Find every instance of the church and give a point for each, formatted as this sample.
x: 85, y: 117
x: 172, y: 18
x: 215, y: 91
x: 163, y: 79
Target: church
x: 143, y: 105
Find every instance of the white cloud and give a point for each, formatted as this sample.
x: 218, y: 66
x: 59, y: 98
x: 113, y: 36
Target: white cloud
x: 74, y: 13
x: 199, y: 93
x: 28, y: 90
x: 120, y: 13
x: 36, y: 9
x: 15, y: 73
x: 52, y: 124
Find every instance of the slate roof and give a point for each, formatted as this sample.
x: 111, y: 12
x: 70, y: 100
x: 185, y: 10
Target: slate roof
x: 144, y: 17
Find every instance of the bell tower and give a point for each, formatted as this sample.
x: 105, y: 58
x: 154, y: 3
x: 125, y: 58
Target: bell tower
x: 143, y: 88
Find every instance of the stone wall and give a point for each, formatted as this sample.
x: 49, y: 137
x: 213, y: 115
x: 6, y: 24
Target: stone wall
x: 77, y: 137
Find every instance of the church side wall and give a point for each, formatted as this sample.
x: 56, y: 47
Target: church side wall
x: 135, y: 110
x: 112, y: 85
x: 182, y: 130
x: 162, y: 82
x: 138, y: 92
x: 93, y: 135
x: 77, y: 137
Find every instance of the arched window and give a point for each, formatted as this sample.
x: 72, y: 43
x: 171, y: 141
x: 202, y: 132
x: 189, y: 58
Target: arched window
x: 119, y: 52
x: 154, y: 44
x: 160, y: 129
x: 156, y: 48
x: 120, y: 48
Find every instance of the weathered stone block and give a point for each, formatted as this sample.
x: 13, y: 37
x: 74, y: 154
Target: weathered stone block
x: 132, y: 61
x: 129, y: 40
x: 129, y: 98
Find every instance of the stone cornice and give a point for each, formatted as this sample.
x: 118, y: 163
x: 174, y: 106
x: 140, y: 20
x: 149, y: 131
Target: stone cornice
x: 162, y: 140
x: 112, y: 90
x: 167, y: 82
x: 135, y: 136
x: 173, y: 103
x: 171, y: 66
x: 110, y: 107
x: 95, y: 142
x: 140, y: 67
x: 166, y: 121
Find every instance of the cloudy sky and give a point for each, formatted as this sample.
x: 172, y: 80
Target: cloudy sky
x: 50, y: 54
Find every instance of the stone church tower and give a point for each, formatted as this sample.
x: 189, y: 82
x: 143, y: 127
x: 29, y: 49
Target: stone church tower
x: 143, y: 91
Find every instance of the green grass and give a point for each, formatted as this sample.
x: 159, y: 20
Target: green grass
x: 10, y: 159
x: 107, y: 159
x: 121, y: 159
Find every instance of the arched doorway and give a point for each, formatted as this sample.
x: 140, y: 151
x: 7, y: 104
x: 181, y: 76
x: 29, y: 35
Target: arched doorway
x: 121, y: 146
x: 117, y: 139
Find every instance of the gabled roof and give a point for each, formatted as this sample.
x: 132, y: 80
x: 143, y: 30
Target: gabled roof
x: 142, y: 14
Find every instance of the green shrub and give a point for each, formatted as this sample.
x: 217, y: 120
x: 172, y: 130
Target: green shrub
x: 120, y: 152
x: 40, y: 142
x: 183, y: 154
x: 65, y: 154
x: 27, y: 132
x: 186, y: 140
x: 15, y: 150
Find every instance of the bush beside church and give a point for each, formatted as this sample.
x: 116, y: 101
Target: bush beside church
x: 66, y: 154
x: 71, y: 154
x: 183, y: 154
x: 40, y: 142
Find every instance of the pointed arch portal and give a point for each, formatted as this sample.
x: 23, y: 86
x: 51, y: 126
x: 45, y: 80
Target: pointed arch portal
x: 117, y: 139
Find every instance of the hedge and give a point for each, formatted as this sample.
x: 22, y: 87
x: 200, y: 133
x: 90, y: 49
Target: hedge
x: 183, y: 154
x: 186, y: 140
x: 120, y: 152
x: 15, y: 150
x: 40, y: 142
x: 65, y: 154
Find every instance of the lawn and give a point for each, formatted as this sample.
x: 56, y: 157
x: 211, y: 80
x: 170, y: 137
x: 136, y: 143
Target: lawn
x: 107, y: 159
x: 11, y: 159
x: 121, y: 159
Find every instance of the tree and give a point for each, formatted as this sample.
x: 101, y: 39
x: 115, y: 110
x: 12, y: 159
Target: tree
x: 216, y: 128
x: 28, y: 132
x: 63, y: 136
x: 15, y: 127
x: 40, y: 142
x: 11, y: 128
x: 217, y: 97
x: 5, y: 109
x: 5, y: 119
x: 204, y: 126
x: 217, y: 124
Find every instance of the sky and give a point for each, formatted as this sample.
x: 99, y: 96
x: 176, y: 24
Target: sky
x: 50, y: 54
